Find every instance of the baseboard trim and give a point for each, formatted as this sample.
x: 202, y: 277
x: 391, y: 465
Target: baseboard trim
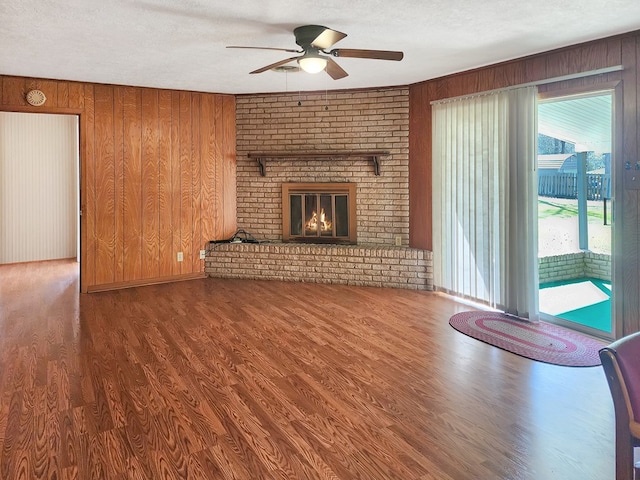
x: 144, y: 282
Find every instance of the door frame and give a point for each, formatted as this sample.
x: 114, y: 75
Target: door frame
x: 81, y: 169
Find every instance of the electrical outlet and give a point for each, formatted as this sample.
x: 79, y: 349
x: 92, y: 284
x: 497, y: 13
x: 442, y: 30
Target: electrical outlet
x: 202, y: 254
x: 398, y: 240
x: 180, y: 256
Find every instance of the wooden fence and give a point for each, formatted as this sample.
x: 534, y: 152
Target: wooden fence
x: 565, y: 185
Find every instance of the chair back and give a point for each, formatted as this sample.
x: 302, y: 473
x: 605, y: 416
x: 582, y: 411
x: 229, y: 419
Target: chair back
x: 621, y: 363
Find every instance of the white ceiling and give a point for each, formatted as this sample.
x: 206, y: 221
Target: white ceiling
x: 180, y: 44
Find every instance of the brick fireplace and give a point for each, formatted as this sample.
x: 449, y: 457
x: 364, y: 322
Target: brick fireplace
x: 340, y: 121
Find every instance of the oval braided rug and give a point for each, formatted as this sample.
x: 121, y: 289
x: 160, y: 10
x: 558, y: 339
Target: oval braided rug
x: 538, y: 341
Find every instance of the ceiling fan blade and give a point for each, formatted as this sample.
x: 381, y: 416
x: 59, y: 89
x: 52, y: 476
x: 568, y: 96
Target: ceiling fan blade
x: 317, y: 36
x: 268, y: 48
x: 376, y: 54
x: 274, y: 65
x: 334, y: 70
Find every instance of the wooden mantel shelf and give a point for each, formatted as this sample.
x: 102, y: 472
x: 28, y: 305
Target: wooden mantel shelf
x: 373, y: 155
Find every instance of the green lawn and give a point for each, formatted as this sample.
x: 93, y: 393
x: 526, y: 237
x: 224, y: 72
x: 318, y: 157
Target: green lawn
x: 564, y: 208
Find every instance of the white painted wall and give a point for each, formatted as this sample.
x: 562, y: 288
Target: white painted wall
x: 38, y: 187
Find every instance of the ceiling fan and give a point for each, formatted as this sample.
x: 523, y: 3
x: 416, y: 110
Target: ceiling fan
x: 314, y: 41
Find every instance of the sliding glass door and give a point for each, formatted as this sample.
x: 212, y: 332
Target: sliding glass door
x: 575, y: 211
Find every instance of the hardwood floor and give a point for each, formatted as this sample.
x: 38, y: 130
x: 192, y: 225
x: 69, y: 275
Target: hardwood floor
x: 226, y: 379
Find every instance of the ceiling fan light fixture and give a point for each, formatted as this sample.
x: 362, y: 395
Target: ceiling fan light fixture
x: 312, y: 63
x: 315, y: 40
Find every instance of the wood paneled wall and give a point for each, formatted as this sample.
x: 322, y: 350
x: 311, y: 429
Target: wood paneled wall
x: 619, y: 50
x: 157, y: 175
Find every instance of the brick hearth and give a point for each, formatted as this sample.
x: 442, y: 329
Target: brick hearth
x: 380, y: 266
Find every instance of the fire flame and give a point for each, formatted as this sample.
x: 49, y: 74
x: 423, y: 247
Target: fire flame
x: 313, y: 223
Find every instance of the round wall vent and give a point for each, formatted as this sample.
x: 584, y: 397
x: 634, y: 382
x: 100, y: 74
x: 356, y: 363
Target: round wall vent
x: 36, y: 98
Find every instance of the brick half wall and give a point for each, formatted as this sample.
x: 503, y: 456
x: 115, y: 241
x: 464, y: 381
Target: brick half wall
x: 574, y: 265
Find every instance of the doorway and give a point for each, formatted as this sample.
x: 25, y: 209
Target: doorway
x: 39, y: 187
x: 575, y: 221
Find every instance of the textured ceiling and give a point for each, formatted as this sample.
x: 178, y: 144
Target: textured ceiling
x: 181, y: 44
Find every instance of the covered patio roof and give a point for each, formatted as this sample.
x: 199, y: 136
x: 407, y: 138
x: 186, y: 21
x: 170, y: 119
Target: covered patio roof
x: 584, y: 121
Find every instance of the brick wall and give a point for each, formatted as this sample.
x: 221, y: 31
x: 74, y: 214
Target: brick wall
x: 337, y: 121
x: 382, y: 266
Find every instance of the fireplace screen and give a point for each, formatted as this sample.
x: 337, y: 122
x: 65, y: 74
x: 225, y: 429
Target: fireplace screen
x: 319, y: 212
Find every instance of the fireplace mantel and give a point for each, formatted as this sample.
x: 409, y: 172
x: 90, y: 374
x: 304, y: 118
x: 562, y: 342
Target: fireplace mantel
x: 372, y: 155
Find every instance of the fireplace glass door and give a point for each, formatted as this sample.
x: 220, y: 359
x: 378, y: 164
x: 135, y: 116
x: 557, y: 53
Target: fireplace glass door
x: 319, y: 216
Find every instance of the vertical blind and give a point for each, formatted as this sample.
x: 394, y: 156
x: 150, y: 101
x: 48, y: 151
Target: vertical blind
x: 484, y: 198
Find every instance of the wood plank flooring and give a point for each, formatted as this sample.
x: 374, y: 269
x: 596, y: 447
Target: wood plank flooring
x: 226, y: 379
